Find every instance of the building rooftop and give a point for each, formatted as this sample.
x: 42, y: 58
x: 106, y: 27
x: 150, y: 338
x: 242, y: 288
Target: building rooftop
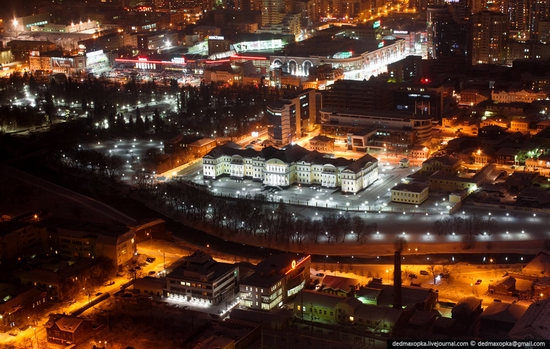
x: 540, y: 265
x: 82, y: 228
x: 200, y: 264
x: 535, y: 322
x: 340, y: 283
x: 504, y: 312
x: 272, y: 269
x: 289, y: 154
x: 411, y: 187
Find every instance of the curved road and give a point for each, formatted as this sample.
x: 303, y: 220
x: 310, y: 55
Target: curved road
x: 66, y: 194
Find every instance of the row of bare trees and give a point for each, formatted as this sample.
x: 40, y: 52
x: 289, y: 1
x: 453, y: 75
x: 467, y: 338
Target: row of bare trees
x: 473, y: 225
x: 92, y: 162
x: 255, y: 217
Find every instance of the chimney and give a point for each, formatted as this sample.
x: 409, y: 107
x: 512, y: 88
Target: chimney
x: 397, y: 299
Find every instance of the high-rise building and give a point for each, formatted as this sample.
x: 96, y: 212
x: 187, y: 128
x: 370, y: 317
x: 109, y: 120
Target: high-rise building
x: 447, y: 33
x: 358, y: 95
x: 273, y: 11
x: 291, y: 116
x: 539, y: 10
x: 489, y: 36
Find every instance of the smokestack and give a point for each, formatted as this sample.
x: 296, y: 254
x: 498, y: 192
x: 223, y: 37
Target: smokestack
x: 397, y: 298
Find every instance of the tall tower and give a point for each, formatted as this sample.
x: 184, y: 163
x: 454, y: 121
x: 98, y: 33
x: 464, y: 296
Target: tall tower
x: 538, y: 10
x: 273, y: 11
x: 489, y: 37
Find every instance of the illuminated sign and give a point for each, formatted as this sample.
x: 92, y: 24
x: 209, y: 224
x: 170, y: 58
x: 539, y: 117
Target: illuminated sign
x: 260, y: 45
x: 400, y: 32
x: 381, y: 44
x: 376, y: 24
x: 95, y: 53
x: 178, y: 60
x: 62, y: 62
x: 216, y: 37
x: 343, y: 55
x: 297, y: 263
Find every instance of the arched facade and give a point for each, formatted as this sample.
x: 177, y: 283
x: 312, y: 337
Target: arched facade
x: 357, y: 67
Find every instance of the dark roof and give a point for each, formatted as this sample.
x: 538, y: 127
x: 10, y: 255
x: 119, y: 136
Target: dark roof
x: 289, y: 154
x: 339, y: 283
x: 322, y: 139
x: 358, y: 164
x: 201, y: 263
x: 11, y: 226
x: 93, y: 229
x: 272, y: 269
x: 413, y: 188
x: 328, y: 46
x: 504, y: 312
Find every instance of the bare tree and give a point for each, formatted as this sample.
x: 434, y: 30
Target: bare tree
x: 433, y: 269
x: 400, y: 243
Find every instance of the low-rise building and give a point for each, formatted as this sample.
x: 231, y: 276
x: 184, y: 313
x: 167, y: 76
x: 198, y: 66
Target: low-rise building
x: 321, y: 307
x: 410, y: 193
x: 524, y: 96
x: 339, y: 286
x: 19, y: 308
x: 151, y: 285
x: 322, y: 143
x: 533, y: 325
x: 376, y: 293
x: 440, y: 181
x: 445, y: 164
x: 224, y: 74
x: 203, y: 279
x: 498, y: 318
x: 66, y: 330
x: 77, y: 238
x: 541, y: 288
x: 275, y: 280
x: 19, y: 240
x: 505, y: 286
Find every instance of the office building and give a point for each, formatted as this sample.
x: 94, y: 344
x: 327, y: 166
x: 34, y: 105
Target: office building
x: 489, y: 38
x: 275, y: 280
x: 201, y: 278
x: 290, y: 117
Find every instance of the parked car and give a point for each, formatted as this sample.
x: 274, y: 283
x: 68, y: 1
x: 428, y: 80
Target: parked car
x: 150, y: 259
x: 413, y: 276
x: 478, y: 281
x: 152, y: 272
x: 424, y: 272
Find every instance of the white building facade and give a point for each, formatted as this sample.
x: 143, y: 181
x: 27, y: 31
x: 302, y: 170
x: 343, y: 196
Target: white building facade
x: 290, y: 165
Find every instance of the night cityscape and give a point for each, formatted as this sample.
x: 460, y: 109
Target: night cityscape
x: 269, y: 174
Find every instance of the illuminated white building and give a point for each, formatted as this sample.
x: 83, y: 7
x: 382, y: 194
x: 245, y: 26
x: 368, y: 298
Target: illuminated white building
x: 363, y: 61
x: 290, y: 165
x: 202, y: 279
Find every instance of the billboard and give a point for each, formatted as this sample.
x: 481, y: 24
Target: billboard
x: 62, y: 62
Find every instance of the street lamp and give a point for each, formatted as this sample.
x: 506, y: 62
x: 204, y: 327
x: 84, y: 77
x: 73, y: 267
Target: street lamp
x: 164, y: 260
x: 35, y: 336
x: 15, y: 24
